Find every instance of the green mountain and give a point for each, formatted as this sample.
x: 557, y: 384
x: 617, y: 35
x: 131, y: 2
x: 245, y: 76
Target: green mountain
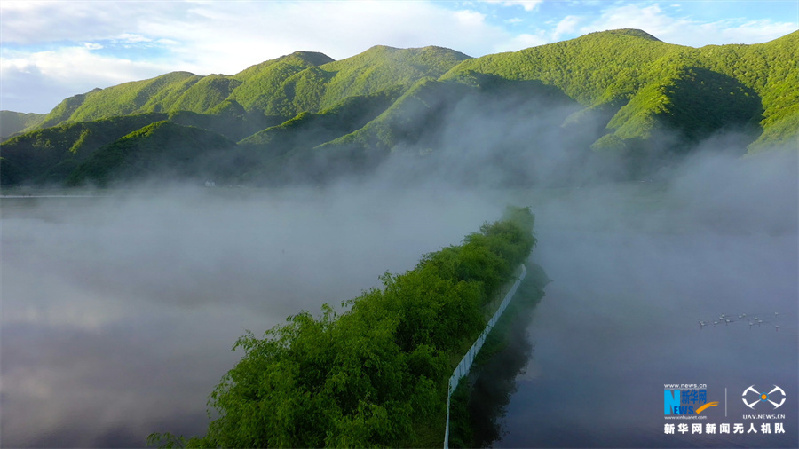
x: 161, y: 149
x: 152, y: 95
x: 49, y: 155
x: 14, y: 122
x: 308, y: 130
x: 603, y: 98
x: 646, y: 80
x: 287, y: 86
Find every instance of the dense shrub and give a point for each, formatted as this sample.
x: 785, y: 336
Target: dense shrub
x: 377, y: 373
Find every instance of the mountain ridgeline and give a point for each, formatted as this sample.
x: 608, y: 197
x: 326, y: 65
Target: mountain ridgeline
x: 620, y: 103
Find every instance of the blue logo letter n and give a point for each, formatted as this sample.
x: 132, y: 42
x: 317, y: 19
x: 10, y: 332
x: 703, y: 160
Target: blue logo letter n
x: 671, y: 399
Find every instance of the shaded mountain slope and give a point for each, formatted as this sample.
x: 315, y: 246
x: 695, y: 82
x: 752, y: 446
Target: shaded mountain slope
x: 309, y: 129
x: 693, y: 104
x: 49, y: 155
x: 772, y: 71
x: 488, y: 130
x: 14, y: 122
x: 159, y: 149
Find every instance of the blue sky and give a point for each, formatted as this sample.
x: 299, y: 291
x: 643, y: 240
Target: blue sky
x: 56, y: 49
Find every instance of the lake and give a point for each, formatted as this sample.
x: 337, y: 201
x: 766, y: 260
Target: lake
x: 634, y: 270
x: 119, y: 311
x: 613, y: 329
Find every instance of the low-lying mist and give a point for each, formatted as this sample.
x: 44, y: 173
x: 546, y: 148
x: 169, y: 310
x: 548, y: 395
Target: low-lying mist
x: 119, y: 311
x: 120, y: 308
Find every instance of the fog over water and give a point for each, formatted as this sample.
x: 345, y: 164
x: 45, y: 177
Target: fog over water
x: 612, y: 330
x: 119, y: 311
x: 630, y: 283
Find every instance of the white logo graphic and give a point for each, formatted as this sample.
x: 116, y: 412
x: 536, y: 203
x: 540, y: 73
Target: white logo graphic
x: 758, y: 397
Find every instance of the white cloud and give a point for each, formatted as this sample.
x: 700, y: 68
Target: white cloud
x: 228, y: 36
x: 470, y: 18
x: 685, y: 31
x: 130, y: 40
x: 566, y: 26
x: 78, y: 64
x: 523, y: 41
x: 528, y: 5
x: 36, y: 82
x: 218, y: 37
x: 32, y: 22
x: 747, y: 32
x: 248, y: 33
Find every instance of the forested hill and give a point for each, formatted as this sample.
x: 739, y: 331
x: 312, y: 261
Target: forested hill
x: 13, y: 122
x: 284, y: 87
x: 643, y: 79
x: 304, y: 117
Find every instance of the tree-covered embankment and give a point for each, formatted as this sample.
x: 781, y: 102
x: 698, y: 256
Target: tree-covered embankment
x: 376, y: 374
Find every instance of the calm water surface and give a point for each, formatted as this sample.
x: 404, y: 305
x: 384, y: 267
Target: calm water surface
x: 620, y: 320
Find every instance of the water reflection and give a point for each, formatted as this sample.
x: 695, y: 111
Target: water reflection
x: 493, y: 379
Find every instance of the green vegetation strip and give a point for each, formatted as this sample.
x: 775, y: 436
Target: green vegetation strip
x: 377, y: 374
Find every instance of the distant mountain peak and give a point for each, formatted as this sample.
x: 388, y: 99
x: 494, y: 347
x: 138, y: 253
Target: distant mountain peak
x: 442, y: 50
x: 382, y: 47
x: 314, y: 58
x: 432, y: 50
x: 629, y: 32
